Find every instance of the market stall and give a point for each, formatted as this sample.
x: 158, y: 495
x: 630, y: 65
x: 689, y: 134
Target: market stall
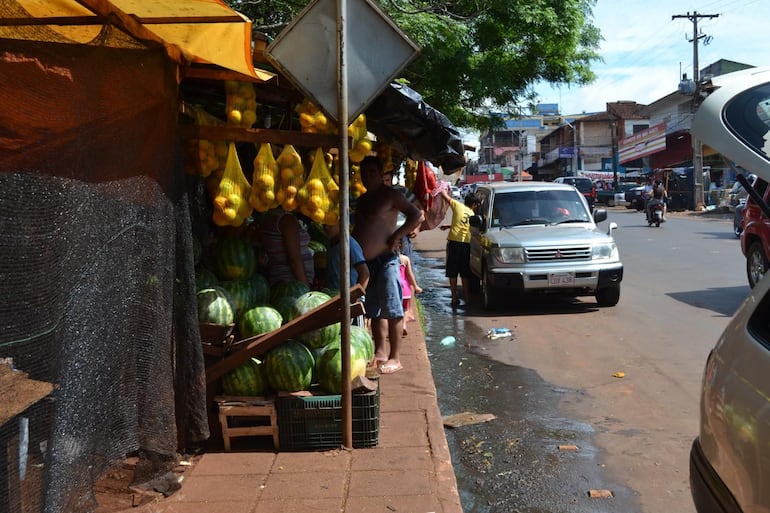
x: 117, y: 128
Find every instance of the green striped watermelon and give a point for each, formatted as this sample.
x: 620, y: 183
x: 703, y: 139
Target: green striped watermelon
x: 205, y: 279
x: 248, y: 379
x: 292, y: 289
x: 289, y: 367
x: 258, y: 320
x: 243, y: 294
x: 261, y: 289
x: 318, y: 337
x: 215, y: 306
x: 362, y: 341
x: 235, y: 258
x: 328, y: 368
x: 285, y: 306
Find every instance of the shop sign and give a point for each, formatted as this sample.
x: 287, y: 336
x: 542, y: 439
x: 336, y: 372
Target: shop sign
x: 644, y: 143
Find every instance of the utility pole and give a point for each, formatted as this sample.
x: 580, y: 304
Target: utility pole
x: 697, y: 158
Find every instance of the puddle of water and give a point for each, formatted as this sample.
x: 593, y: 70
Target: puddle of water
x: 512, y: 463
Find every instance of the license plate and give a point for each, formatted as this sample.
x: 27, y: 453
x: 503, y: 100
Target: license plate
x: 557, y: 279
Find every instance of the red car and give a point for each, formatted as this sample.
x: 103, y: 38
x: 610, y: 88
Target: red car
x: 755, y: 235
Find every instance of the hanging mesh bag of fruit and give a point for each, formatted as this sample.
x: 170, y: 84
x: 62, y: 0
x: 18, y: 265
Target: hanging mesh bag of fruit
x: 202, y: 157
x: 262, y: 196
x: 319, y: 196
x: 291, y: 178
x: 231, y: 205
x: 241, y: 103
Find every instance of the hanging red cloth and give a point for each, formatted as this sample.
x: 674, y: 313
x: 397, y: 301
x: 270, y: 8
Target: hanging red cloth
x: 424, y: 185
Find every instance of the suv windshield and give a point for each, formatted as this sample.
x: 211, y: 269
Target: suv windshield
x: 538, y: 207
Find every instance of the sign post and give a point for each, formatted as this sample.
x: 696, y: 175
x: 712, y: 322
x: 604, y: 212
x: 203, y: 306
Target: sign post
x: 370, y: 51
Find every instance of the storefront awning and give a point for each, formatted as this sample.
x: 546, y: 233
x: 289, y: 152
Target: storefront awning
x: 192, y: 31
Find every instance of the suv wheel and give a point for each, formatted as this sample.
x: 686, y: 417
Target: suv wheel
x: 756, y: 263
x: 488, y: 294
x: 608, y: 296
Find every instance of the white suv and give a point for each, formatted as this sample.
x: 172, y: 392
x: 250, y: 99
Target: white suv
x: 730, y: 458
x: 538, y: 238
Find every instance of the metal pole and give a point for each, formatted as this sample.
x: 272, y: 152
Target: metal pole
x: 697, y: 146
x: 342, y: 121
x: 697, y: 156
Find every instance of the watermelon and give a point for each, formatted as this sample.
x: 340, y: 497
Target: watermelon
x: 289, y: 367
x: 215, y: 306
x: 328, y: 368
x: 316, y: 355
x: 259, y: 320
x: 292, y: 289
x: 235, y: 258
x: 247, y: 379
x: 205, y: 279
x: 318, y: 337
x: 261, y: 289
x: 285, y: 306
x: 362, y: 341
x: 243, y: 293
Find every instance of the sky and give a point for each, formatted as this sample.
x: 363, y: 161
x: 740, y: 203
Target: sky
x: 645, y: 51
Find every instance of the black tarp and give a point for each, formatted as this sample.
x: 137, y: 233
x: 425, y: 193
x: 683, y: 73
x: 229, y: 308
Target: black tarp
x: 415, y: 129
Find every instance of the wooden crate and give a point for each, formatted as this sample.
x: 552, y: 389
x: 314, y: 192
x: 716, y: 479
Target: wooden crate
x: 259, y: 411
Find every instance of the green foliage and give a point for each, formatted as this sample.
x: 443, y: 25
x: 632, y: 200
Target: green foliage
x: 477, y: 56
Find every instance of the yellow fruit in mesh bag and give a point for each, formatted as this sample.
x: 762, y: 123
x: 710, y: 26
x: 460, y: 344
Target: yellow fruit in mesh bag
x: 265, y: 181
x: 315, y: 186
x: 230, y: 213
x: 313, y: 203
x: 334, y: 194
x: 235, y: 200
x: 291, y: 190
x: 267, y: 196
x: 248, y: 118
x: 234, y: 116
x: 287, y: 174
x: 364, y: 146
x: 331, y: 218
x: 306, y: 120
x: 317, y: 215
x: 289, y: 204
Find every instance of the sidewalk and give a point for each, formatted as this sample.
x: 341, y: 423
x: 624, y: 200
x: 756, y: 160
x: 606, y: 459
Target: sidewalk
x: 409, y: 471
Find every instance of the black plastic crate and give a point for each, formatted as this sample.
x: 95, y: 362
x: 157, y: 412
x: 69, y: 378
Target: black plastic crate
x: 315, y: 421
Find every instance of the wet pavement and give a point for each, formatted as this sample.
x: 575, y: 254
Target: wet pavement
x: 512, y: 463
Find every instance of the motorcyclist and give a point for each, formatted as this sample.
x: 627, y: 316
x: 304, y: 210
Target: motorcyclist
x: 659, y: 195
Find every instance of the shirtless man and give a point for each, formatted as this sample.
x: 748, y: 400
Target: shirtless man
x: 375, y: 230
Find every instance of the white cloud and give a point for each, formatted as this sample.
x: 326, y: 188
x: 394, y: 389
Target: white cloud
x: 645, y: 50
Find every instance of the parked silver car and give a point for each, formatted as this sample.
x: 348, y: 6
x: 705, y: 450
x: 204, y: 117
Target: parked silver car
x: 730, y: 458
x: 540, y: 237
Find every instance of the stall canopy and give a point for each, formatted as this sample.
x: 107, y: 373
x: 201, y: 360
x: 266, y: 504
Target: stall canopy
x: 200, y: 31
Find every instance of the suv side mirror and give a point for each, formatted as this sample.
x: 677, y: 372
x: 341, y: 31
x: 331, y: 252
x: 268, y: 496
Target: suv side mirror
x: 600, y: 214
x: 476, y: 221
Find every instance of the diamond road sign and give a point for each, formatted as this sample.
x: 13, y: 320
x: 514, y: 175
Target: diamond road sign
x: 376, y: 51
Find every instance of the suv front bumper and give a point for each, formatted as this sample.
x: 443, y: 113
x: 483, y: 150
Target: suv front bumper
x: 589, y: 277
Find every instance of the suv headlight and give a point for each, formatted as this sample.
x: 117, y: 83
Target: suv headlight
x: 509, y: 255
x: 605, y: 252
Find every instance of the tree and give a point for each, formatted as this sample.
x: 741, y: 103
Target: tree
x: 477, y: 56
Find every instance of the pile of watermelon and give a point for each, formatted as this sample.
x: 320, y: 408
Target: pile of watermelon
x: 230, y: 292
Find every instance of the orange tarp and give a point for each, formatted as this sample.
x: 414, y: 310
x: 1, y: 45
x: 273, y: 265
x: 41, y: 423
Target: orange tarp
x: 204, y: 31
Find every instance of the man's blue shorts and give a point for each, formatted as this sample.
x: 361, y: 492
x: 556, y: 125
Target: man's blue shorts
x: 384, y: 297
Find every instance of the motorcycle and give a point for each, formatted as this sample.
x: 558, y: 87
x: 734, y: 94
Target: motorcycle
x: 655, y: 213
x: 738, y: 217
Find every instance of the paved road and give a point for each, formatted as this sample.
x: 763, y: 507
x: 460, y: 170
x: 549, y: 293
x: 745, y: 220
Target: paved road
x: 553, y: 381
